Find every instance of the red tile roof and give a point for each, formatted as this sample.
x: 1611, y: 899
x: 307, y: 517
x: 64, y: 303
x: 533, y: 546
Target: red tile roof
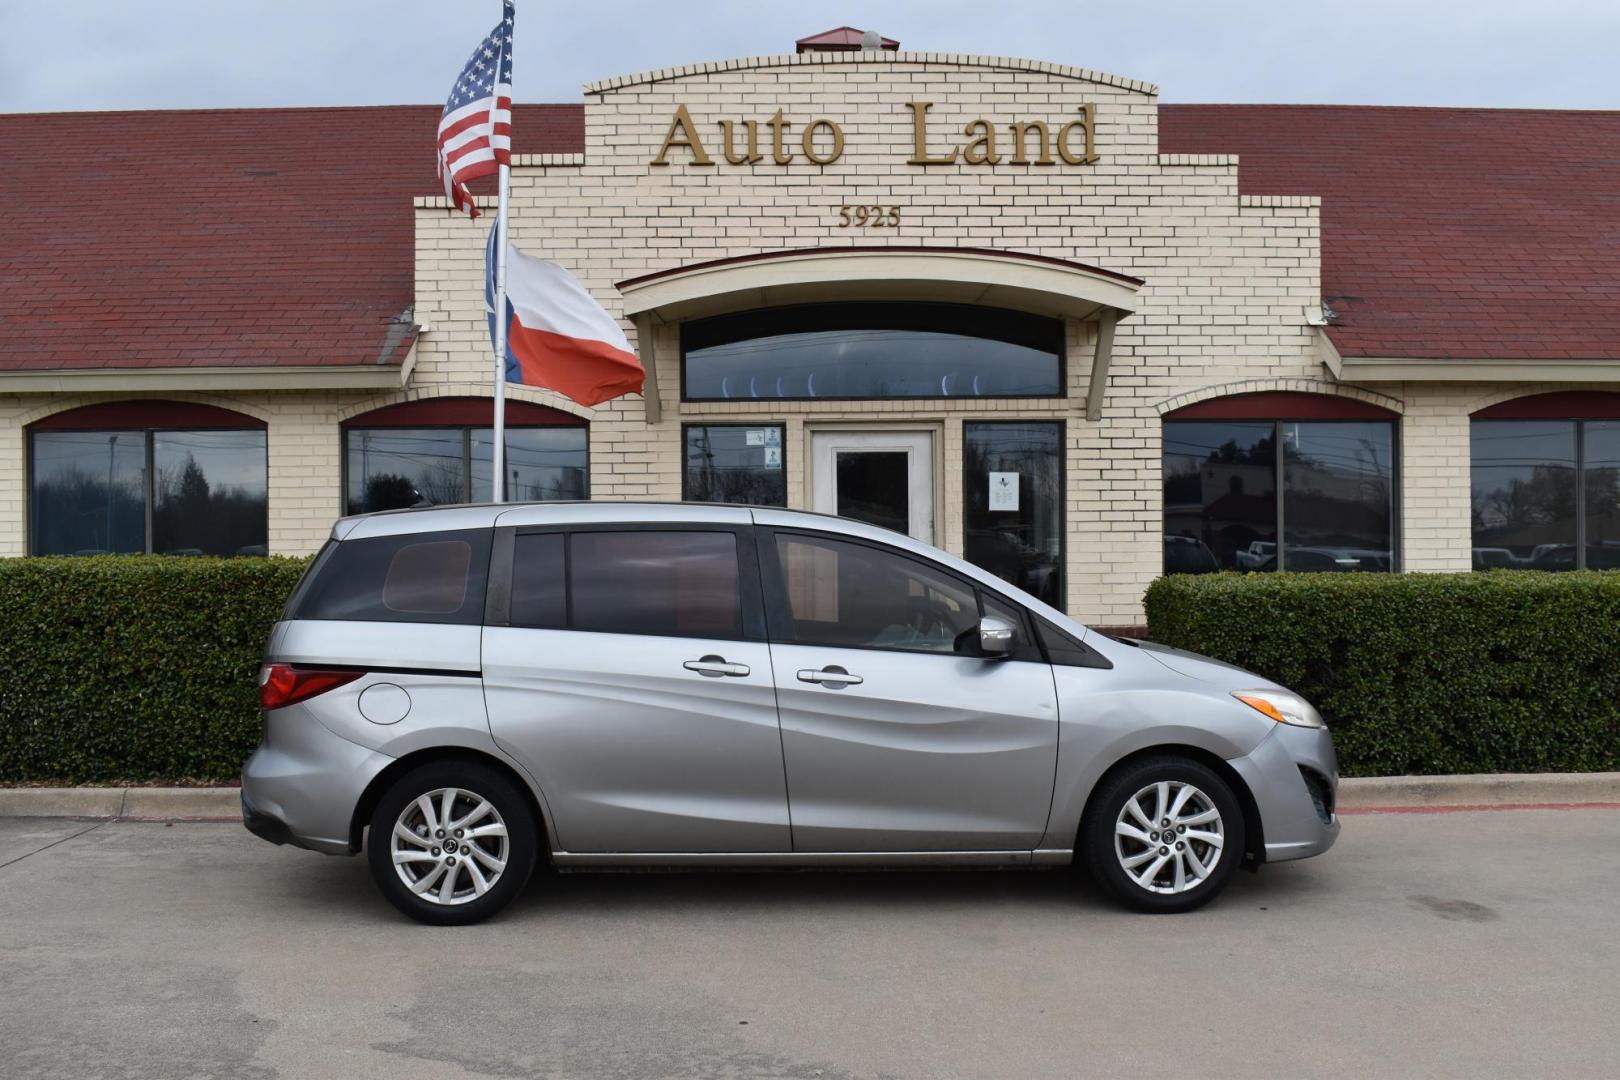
x: 238, y: 238
x: 1470, y: 233
x: 839, y: 39
x: 284, y: 236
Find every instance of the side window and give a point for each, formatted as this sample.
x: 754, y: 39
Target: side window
x: 1065, y: 650
x: 853, y: 596
x: 539, y: 598
x: 674, y: 584
x: 417, y: 577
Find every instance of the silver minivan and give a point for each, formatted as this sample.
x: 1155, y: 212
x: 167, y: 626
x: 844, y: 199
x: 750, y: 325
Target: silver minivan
x: 462, y: 692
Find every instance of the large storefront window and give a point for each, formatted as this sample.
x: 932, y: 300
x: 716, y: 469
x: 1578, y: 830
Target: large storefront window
x: 392, y: 468
x: 1224, y: 508
x: 872, y: 350
x: 134, y: 489
x: 1220, y: 496
x: 1013, y: 521
x: 735, y: 463
x: 1538, y: 485
x: 437, y: 452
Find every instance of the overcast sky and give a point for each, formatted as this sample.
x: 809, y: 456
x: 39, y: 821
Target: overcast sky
x: 154, y: 54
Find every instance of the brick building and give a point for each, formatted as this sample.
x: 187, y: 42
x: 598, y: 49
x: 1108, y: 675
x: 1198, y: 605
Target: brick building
x: 1019, y: 309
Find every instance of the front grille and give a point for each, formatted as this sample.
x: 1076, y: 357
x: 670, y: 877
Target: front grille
x: 1321, y: 793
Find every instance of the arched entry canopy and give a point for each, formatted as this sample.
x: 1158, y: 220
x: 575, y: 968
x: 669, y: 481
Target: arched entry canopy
x: 1004, y: 279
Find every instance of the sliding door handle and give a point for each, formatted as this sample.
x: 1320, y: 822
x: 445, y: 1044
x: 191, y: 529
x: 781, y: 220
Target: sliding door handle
x: 716, y: 666
x: 831, y: 676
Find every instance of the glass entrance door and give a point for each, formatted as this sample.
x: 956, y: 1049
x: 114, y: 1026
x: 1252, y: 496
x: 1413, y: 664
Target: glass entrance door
x: 885, y: 478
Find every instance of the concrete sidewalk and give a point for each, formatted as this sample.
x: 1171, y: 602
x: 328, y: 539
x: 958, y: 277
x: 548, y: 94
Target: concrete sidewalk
x: 1363, y: 794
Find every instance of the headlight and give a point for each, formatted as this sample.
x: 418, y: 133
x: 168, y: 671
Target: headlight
x: 1281, y: 706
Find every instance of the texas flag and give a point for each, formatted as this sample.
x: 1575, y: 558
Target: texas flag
x: 557, y: 335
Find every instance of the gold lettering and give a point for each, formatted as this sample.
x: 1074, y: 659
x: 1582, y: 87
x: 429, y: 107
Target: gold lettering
x: 753, y: 153
x: 919, y: 136
x: 1086, y: 123
x: 809, y: 142
x: 778, y: 126
x: 682, y: 124
x: 982, y: 149
x: 1021, y: 131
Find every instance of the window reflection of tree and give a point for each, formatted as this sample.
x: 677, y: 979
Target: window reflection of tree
x: 722, y: 467
x: 191, y: 515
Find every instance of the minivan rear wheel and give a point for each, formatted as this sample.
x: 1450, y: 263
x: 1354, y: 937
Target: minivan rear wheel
x: 1163, y: 835
x: 452, y: 843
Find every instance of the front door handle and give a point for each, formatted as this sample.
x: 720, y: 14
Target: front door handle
x: 831, y: 676
x: 716, y: 666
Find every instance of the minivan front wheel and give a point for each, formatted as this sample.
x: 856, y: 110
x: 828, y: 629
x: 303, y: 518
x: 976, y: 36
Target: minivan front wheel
x: 1164, y: 835
x: 451, y: 843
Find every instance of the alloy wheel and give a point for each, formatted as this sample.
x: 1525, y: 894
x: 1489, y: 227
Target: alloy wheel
x: 450, y: 846
x: 1169, y: 837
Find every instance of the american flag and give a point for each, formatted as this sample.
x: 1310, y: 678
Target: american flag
x: 475, y: 132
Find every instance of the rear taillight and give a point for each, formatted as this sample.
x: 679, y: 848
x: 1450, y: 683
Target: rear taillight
x: 284, y: 684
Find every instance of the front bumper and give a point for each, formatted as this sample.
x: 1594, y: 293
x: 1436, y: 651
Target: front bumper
x: 302, y: 784
x: 1280, y: 773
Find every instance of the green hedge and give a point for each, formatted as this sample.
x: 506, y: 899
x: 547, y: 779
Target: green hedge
x: 133, y: 668
x: 142, y: 669
x: 1506, y: 671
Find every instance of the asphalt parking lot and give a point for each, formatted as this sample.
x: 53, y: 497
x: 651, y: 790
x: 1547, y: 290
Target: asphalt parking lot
x: 1433, y: 944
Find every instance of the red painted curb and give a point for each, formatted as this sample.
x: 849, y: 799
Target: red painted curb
x: 1477, y: 808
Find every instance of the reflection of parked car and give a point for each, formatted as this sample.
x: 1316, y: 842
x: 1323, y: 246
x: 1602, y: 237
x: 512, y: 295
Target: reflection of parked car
x: 1330, y: 560
x: 1188, y: 555
x: 1604, y: 555
x: 1489, y: 558
x: 1251, y: 557
x: 1005, y: 554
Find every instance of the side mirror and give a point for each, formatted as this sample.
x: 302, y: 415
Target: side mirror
x: 997, y: 637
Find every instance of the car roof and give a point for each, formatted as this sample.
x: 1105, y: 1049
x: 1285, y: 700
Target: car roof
x: 585, y: 512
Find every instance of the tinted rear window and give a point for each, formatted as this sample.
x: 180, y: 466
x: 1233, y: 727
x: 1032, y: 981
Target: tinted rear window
x: 419, y: 577
x: 677, y: 584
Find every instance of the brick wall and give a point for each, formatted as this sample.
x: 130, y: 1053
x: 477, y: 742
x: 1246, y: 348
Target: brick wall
x: 1229, y: 278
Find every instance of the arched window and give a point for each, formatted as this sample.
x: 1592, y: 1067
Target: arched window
x: 133, y: 477
x: 850, y: 351
x: 1545, y: 482
x: 1279, y: 481
x: 440, y: 451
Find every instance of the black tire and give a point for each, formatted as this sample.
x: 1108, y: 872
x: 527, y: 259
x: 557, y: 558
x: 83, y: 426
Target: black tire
x: 522, y: 842
x: 1098, y: 842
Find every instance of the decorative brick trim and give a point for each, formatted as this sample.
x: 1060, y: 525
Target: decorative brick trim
x: 63, y: 404
x: 140, y: 413
x: 1300, y: 386
x: 439, y: 202
x: 462, y: 389
x: 1225, y: 161
x: 1519, y: 390
x: 890, y: 59
x: 548, y: 161
x: 1278, y: 202
x: 461, y: 412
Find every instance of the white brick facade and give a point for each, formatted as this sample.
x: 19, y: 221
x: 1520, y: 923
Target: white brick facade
x: 1229, y: 277
x: 1229, y: 280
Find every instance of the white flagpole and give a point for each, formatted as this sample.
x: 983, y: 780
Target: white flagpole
x: 498, y: 492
